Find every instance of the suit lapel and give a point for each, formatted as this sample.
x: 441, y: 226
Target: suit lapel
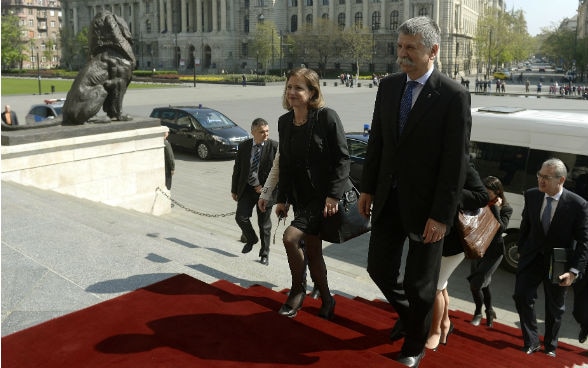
x: 423, y: 105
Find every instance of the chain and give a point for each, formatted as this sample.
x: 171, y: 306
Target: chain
x: 176, y: 203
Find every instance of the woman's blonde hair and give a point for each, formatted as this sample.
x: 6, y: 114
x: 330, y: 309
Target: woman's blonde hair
x: 312, y: 82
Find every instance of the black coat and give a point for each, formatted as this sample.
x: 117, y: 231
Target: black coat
x: 328, y: 162
x: 428, y: 161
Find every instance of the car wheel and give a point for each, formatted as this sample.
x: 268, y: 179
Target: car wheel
x: 203, y: 151
x: 511, y: 252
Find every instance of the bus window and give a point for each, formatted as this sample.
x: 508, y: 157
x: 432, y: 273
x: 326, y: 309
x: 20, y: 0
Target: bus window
x: 504, y: 162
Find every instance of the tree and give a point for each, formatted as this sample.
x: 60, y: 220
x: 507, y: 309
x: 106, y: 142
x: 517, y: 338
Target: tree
x: 318, y: 43
x: 357, y: 45
x: 266, y: 43
x: 12, y: 42
x: 502, y: 37
x: 75, y: 48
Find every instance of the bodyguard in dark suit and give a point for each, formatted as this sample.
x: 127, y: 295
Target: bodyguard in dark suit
x: 252, y: 166
x: 413, y: 175
x: 553, y: 217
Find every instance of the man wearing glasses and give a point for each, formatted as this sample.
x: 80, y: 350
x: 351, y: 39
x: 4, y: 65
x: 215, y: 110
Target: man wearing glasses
x: 553, y: 217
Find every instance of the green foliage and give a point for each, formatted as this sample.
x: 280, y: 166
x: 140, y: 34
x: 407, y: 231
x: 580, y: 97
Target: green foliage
x: 318, y: 43
x: 75, y: 48
x: 502, y: 37
x: 266, y: 43
x: 357, y: 45
x: 12, y: 43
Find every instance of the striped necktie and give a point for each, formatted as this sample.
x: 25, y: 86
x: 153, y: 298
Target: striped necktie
x: 405, y: 105
x: 253, y: 180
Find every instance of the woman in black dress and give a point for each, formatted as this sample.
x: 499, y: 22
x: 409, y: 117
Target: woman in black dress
x: 313, y: 176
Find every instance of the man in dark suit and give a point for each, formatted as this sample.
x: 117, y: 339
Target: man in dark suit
x: 413, y: 174
x: 252, y: 166
x: 580, y: 311
x: 553, y: 217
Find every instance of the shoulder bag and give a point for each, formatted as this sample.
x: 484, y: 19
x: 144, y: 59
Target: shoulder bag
x: 347, y: 223
x: 477, y: 230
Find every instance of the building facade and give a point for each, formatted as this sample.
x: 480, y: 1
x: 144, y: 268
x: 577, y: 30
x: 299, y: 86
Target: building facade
x: 41, y: 21
x: 214, y: 36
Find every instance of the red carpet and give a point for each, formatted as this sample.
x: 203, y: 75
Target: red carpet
x: 183, y: 322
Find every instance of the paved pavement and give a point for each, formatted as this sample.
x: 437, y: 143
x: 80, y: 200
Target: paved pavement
x: 61, y: 254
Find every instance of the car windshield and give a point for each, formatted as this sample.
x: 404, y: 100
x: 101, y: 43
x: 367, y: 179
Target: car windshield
x: 212, y: 119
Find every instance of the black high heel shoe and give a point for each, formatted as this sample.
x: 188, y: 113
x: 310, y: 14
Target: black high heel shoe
x: 292, y: 310
x: 490, y: 317
x: 448, y: 333
x: 327, y: 310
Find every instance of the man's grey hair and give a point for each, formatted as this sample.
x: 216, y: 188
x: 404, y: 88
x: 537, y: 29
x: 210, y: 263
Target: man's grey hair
x: 258, y: 122
x: 560, y: 167
x: 424, y: 26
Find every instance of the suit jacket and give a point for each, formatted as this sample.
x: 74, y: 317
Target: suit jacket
x: 329, y: 161
x: 428, y: 161
x: 568, y: 229
x: 243, y: 163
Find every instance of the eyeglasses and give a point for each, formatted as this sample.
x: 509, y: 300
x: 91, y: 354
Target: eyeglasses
x: 546, y: 177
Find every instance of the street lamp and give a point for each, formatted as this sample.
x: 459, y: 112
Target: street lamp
x: 194, y: 66
x: 489, y: 48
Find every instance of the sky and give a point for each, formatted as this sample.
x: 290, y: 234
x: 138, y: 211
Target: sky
x: 543, y: 13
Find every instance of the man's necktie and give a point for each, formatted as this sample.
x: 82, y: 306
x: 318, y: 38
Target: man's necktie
x: 546, y: 216
x: 406, y: 104
x: 254, y: 165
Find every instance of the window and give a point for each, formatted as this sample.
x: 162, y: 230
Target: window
x: 308, y: 2
x: 358, y: 22
x: 148, y: 26
x: 261, y: 3
x: 394, y: 20
x: 293, y: 2
x: 309, y: 19
x: 341, y: 2
x: 325, y: 2
x: 359, y: 1
x: 423, y: 12
x: 341, y: 20
x: 376, y: 20
x: 294, y: 23
x: 52, y: 24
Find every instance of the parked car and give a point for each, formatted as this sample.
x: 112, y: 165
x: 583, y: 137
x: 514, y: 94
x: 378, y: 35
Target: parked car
x: 357, y: 145
x: 202, y: 130
x: 40, y: 113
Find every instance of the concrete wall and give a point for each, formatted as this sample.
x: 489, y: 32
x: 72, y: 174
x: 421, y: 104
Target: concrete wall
x: 120, y: 164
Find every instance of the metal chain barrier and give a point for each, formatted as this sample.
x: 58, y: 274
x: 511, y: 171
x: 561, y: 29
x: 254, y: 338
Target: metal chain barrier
x: 176, y: 203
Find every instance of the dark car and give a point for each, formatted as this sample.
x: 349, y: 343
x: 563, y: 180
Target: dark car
x: 199, y: 129
x: 357, y: 145
x: 48, y: 111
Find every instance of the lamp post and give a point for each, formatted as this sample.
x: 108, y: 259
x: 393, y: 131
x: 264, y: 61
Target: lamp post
x: 489, y: 48
x: 194, y: 66
x: 39, y: 73
x: 257, y: 64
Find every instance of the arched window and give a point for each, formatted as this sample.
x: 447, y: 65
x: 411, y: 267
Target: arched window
x: 394, y: 20
x: 309, y: 19
x: 358, y: 22
x: 294, y: 23
x: 423, y: 12
x: 148, y: 26
x: 341, y: 20
x: 325, y: 16
x: 376, y: 20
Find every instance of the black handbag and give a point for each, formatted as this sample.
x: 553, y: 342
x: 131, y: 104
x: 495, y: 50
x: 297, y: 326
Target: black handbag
x: 347, y: 223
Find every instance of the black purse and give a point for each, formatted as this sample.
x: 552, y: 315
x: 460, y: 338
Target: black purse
x: 347, y: 223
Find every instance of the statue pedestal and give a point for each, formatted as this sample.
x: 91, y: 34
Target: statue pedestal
x: 120, y: 163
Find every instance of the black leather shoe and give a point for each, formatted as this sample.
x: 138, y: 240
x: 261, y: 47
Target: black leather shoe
x: 531, y: 349
x: 264, y: 260
x: 411, y: 361
x: 583, y: 334
x: 289, y: 310
x: 397, y: 332
x: 550, y: 353
x: 327, y: 311
x: 247, y: 248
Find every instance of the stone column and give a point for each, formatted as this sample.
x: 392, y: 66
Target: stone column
x: 214, y: 16
x: 161, y: 15
x: 223, y: 15
x: 198, y: 15
x: 184, y: 15
x: 169, y: 17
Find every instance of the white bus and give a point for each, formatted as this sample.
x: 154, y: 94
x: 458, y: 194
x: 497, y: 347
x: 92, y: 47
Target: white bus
x: 511, y: 143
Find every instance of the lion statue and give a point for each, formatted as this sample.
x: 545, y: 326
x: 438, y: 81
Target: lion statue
x: 104, y: 79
